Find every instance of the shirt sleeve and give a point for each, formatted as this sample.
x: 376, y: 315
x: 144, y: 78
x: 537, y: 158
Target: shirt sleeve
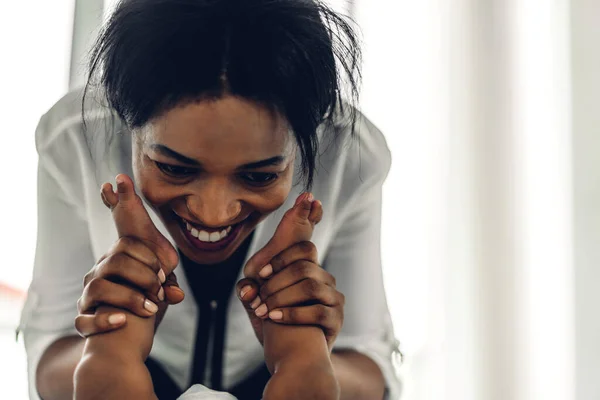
x: 354, y: 256
x: 199, y: 392
x: 63, y: 253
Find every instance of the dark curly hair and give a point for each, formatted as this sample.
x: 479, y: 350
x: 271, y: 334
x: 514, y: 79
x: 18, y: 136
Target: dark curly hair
x: 296, y: 57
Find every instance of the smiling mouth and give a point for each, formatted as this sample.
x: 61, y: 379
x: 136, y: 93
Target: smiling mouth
x: 210, y: 240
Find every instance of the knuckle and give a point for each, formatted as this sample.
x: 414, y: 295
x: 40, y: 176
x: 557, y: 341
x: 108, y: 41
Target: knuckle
x: 278, y: 261
x: 312, y: 287
x: 111, y: 264
x: 155, y: 263
x: 322, y: 315
x: 155, y: 285
x: 308, y: 247
x: 135, y: 301
x: 89, y: 276
x: 301, y: 269
x: 94, y: 287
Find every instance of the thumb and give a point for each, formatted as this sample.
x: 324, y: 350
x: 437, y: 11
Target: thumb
x: 250, y: 301
x: 247, y: 291
x: 173, y: 292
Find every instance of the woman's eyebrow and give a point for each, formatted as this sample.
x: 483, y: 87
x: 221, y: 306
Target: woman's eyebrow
x: 167, y: 152
x: 277, y: 160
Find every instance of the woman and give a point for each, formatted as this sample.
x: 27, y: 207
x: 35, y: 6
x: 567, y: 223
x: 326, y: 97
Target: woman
x: 219, y: 111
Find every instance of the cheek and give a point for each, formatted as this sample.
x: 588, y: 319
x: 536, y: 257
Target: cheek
x: 155, y: 191
x: 272, y: 199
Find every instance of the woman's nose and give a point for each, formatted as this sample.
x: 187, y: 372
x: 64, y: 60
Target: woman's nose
x: 214, y: 208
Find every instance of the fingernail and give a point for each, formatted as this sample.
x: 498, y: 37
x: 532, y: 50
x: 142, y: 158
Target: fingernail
x: 161, y: 276
x: 150, y: 306
x: 261, y: 311
x: 255, y: 303
x: 116, y: 319
x: 266, y: 271
x: 161, y: 294
x: 119, y: 179
x: 310, y: 197
x: 244, y: 291
x: 276, y: 314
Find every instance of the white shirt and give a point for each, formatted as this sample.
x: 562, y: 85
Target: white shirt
x: 199, y: 392
x: 75, y: 229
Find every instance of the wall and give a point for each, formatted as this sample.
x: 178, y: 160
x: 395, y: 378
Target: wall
x: 585, y: 28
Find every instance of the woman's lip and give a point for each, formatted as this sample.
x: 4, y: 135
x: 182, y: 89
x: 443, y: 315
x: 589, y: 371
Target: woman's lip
x: 211, y: 246
x: 203, y: 228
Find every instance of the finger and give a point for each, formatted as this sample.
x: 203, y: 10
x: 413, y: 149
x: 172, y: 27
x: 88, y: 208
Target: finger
x: 173, y: 293
x: 300, y: 251
x: 294, y: 273
x: 92, y: 324
x: 122, y: 268
x: 294, y: 227
x: 305, y: 292
x: 134, y: 248
x: 327, y: 318
x: 101, y: 291
x: 246, y: 290
x: 250, y: 305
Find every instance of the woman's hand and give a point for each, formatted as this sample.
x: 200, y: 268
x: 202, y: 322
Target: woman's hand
x: 292, y: 288
x: 132, y: 273
x: 300, y: 292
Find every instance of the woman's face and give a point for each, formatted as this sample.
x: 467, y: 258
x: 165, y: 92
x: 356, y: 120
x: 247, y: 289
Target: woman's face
x: 212, y: 171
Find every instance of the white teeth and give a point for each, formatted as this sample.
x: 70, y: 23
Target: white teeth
x: 204, y: 236
x: 215, y: 237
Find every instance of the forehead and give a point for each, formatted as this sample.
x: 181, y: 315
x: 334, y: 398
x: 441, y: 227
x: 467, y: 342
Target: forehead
x: 232, y: 128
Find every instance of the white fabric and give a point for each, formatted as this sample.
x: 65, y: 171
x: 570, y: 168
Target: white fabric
x: 199, y: 392
x: 75, y: 229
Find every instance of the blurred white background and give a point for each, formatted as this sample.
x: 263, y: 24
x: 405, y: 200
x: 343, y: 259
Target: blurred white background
x: 491, y: 235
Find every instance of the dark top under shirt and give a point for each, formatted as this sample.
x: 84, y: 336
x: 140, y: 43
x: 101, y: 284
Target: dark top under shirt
x: 212, y: 286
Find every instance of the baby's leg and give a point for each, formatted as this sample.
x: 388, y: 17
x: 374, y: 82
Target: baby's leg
x: 292, y: 349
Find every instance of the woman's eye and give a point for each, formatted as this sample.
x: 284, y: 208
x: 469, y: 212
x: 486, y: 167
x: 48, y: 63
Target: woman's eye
x: 175, y: 171
x: 259, y: 178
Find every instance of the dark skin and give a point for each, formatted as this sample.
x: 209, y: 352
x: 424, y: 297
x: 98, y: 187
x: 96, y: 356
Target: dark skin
x: 113, y: 366
x: 213, y: 188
